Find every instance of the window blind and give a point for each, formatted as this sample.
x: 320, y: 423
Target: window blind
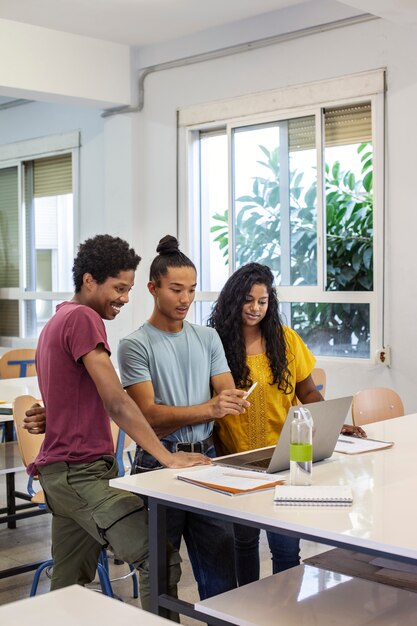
x: 9, y: 227
x: 9, y: 249
x: 52, y: 176
x: 345, y: 125
x: 9, y: 318
x: 348, y: 124
x: 301, y: 133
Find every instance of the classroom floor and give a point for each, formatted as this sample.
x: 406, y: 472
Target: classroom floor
x: 30, y: 542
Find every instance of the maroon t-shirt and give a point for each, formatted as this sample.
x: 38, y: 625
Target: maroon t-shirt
x: 77, y: 425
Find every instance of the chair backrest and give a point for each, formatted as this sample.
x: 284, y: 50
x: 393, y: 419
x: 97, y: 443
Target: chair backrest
x: 376, y: 404
x: 319, y: 377
x: 121, y: 441
x: 18, y: 363
x: 29, y: 444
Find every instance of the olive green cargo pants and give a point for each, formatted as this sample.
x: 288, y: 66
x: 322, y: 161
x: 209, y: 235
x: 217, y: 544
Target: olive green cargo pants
x: 88, y: 514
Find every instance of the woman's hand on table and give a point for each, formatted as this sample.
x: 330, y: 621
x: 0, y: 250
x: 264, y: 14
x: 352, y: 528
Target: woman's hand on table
x: 354, y: 431
x: 35, y: 420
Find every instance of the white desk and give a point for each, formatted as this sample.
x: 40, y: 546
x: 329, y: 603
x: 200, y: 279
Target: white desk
x: 10, y: 388
x: 75, y: 606
x: 382, y: 520
x: 308, y: 595
x: 10, y: 459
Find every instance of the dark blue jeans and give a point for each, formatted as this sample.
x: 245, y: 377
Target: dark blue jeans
x: 209, y: 541
x: 285, y: 552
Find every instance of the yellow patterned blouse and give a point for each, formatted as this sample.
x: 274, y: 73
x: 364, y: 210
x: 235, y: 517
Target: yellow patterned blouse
x: 262, y: 422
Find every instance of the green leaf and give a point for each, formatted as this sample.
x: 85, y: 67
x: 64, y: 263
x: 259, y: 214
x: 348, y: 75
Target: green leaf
x: 367, y: 258
x: 265, y: 151
x: 274, y: 197
x: 367, y: 181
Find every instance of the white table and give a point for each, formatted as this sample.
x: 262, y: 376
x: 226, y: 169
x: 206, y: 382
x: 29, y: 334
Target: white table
x: 10, y: 388
x: 10, y: 459
x: 382, y: 520
x: 309, y: 595
x: 78, y: 606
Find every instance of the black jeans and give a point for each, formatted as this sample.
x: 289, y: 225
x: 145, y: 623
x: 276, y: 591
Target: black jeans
x: 210, y: 542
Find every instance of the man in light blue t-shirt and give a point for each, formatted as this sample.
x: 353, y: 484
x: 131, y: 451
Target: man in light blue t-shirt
x: 168, y: 366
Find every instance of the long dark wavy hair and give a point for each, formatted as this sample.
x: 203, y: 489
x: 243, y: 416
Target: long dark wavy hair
x: 226, y: 318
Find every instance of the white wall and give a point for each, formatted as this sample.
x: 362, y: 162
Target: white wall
x: 106, y: 174
x: 330, y: 54
x: 45, y: 64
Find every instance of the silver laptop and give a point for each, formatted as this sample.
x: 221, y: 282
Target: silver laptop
x: 328, y: 416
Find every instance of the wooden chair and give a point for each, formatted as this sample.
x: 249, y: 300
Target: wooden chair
x: 376, y: 404
x: 319, y: 377
x: 29, y: 445
x: 18, y: 363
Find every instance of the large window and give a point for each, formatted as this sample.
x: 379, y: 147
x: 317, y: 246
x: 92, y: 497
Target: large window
x: 297, y: 190
x: 37, y: 237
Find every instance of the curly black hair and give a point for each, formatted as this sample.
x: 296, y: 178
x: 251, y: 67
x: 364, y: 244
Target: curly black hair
x: 103, y: 256
x: 226, y: 318
x: 169, y: 255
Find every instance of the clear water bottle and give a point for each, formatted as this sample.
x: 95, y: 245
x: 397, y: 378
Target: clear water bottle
x: 301, y: 448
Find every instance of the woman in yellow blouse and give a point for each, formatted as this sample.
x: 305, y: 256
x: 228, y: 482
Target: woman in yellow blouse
x: 260, y: 348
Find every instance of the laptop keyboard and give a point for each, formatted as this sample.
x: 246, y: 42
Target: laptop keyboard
x: 260, y: 463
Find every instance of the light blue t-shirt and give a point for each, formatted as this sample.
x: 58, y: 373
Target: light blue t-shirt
x: 179, y: 365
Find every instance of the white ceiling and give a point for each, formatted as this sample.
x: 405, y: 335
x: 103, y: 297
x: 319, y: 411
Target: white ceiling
x: 135, y: 22
x: 146, y: 22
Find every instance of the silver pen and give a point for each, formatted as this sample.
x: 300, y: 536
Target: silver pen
x: 250, y: 390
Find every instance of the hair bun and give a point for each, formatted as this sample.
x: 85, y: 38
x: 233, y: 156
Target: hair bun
x: 168, y: 245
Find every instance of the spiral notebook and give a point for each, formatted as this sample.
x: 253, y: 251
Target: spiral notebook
x: 324, y: 495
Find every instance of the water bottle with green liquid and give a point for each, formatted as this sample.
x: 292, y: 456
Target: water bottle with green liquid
x: 301, y: 447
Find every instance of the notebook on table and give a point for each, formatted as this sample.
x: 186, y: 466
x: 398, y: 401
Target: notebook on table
x: 323, y: 495
x: 328, y: 416
x: 228, y: 481
x: 354, y: 445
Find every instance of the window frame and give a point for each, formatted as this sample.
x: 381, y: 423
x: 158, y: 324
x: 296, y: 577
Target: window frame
x: 191, y: 121
x: 14, y: 155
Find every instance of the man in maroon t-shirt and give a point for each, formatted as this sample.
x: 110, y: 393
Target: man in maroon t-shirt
x: 80, y: 389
